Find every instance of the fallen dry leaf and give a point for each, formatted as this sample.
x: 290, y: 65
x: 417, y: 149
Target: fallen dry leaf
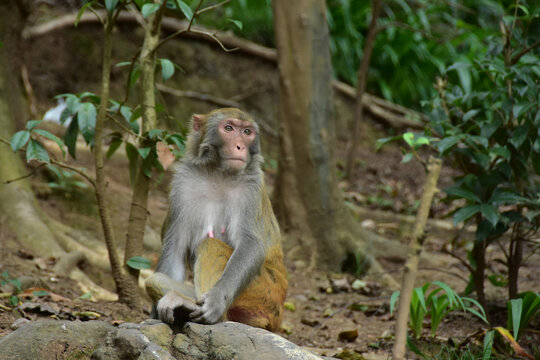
x: 513, y: 343
x: 165, y: 155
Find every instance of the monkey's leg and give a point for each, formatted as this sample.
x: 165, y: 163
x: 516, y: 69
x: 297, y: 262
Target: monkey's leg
x: 261, y: 303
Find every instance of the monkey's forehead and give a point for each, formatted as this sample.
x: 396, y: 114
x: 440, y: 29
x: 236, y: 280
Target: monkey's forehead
x: 230, y: 113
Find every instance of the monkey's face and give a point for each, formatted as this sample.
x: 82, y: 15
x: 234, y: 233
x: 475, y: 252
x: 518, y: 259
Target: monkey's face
x: 237, y: 136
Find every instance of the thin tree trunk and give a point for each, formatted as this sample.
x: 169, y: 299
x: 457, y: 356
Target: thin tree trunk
x: 411, y: 266
x: 479, y: 256
x: 127, y: 293
x: 139, y: 203
x: 361, y: 86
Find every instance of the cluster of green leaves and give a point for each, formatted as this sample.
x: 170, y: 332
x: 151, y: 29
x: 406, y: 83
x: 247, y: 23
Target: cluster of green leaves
x: 486, y: 120
x: 436, y: 304
x: 423, y: 37
x: 80, y: 118
x: 6, y: 279
x: 491, y: 131
x: 83, y: 114
x: 146, y: 7
x: 34, y: 149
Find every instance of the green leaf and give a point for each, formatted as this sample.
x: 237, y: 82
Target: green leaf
x: 52, y: 137
x: 40, y: 293
x: 72, y: 103
x: 115, y: 144
x: 82, y: 11
x: 519, y: 135
x: 138, y: 262
x: 36, y: 151
x: 470, y: 114
x: 407, y: 157
x: 237, y: 23
x: 462, y: 193
x: 149, y: 9
x: 86, y: 296
x: 167, y: 69
x: 110, y: 5
x: 490, y: 213
x: 506, y: 197
x: 515, y: 309
x: 409, y: 138
x: 465, y: 213
x: 19, y: 139
x: 152, y: 134
x: 32, y: 124
x: 447, y: 143
x: 123, y: 63
x: 393, y: 300
x: 66, y: 114
x: 383, y: 141
x: 186, y: 10
x: 87, y: 121
x: 144, y: 152
x: 488, y: 345
x: 500, y: 151
x: 70, y: 138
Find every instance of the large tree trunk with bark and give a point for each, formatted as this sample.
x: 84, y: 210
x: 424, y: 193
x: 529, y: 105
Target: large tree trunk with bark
x: 305, y: 195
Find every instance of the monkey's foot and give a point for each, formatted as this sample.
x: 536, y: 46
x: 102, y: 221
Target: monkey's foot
x: 173, y: 308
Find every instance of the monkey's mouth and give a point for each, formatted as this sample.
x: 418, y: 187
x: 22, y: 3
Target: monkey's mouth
x: 236, y: 164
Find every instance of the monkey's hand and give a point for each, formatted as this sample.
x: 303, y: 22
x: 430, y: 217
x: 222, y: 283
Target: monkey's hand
x: 167, y: 305
x: 211, y: 308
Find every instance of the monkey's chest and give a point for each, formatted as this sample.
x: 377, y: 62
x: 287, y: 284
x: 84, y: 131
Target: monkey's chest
x: 212, y: 213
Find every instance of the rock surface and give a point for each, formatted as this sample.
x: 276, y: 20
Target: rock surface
x: 151, y: 339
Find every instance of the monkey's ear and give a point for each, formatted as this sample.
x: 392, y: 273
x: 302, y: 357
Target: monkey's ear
x: 198, y: 122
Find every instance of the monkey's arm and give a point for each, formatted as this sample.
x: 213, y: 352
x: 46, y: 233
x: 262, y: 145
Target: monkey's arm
x: 243, y: 265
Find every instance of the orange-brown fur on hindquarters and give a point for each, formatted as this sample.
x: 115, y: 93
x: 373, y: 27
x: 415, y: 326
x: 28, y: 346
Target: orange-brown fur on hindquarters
x: 260, y: 304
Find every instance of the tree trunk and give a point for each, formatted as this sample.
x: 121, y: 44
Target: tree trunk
x: 306, y: 198
x: 138, y: 212
x: 128, y: 293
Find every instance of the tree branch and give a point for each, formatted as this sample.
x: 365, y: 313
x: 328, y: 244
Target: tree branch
x: 518, y: 56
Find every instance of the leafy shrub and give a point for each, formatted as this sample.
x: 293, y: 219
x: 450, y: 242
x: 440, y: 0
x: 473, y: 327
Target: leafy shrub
x: 436, y: 304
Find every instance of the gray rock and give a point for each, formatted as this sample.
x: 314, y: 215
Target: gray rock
x: 150, y: 340
x: 160, y: 334
x: 52, y: 339
x: 230, y: 340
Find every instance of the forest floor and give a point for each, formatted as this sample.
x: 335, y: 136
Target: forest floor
x: 324, y: 313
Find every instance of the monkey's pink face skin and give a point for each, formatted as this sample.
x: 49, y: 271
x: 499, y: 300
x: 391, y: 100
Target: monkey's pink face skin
x: 237, y: 137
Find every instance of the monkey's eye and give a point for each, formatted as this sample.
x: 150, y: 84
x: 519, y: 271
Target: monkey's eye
x: 247, y: 131
x: 228, y: 128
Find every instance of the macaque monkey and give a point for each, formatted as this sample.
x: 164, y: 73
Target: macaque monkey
x: 221, y: 223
